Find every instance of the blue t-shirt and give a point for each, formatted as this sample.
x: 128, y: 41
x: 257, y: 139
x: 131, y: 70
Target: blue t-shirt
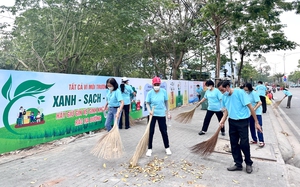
x: 126, y: 94
x: 254, y: 98
x: 236, y: 104
x: 199, y: 90
x: 287, y: 93
x: 157, y: 100
x: 261, y: 90
x: 113, y: 98
x: 214, y: 98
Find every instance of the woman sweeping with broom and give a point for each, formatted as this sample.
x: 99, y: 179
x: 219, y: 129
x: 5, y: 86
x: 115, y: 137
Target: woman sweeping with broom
x: 114, y: 100
x: 158, y: 99
x: 214, y: 97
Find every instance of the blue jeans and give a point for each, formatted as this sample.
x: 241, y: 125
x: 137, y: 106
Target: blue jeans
x: 253, y: 129
x: 111, y: 115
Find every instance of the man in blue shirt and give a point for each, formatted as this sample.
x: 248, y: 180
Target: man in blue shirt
x: 238, y: 107
x: 261, y: 90
x: 199, y: 90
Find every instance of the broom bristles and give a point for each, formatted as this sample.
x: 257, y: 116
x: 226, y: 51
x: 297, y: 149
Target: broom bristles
x: 205, y: 148
x: 277, y: 103
x: 186, y: 117
x: 109, y: 146
x: 142, y: 146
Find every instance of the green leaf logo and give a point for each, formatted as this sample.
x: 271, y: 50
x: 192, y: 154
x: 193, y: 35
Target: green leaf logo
x: 25, y: 89
x: 32, y: 87
x: 6, y: 89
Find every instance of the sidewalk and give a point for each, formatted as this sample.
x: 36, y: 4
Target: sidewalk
x: 69, y: 163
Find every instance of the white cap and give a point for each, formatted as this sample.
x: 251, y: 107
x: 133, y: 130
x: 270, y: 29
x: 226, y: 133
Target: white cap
x: 124, y: 79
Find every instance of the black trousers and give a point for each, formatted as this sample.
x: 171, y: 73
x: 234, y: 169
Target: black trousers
x: 199, y: 97
x: 208, y: 116
x: 163, y: 130
x: 263, y: 103
x: 239, y: 141
x: 289, y: 101
x: 126, y: 111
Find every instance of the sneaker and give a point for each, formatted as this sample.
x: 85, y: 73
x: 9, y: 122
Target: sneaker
x: 201, y: 133
x: 168, y: 151
x: 223, y: 133
x: 149, y: 152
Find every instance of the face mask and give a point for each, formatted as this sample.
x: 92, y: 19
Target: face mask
x: 210, y: 87
x: 111, y: 88
x: 156, y: 88
x: 226, y: 93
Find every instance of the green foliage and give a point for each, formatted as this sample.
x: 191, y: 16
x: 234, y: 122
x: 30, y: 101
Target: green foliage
x: 137, y: 38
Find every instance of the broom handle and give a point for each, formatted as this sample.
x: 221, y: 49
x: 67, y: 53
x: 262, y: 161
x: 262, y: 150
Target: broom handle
x: 150, y: 118
x: 199, y: 103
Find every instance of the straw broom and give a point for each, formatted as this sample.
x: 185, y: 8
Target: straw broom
x: 207, y: 147
x: 109, y: 146
x: 186, y: 117
x: 131, y: 120
x: 277, y: 103
x: 141, y: 148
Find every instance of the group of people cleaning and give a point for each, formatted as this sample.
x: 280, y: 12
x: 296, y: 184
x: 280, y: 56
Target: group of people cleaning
x: 119, y: 99
x: 242, y: 106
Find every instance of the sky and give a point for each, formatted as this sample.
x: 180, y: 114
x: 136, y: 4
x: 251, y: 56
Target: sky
x: 279, y: 61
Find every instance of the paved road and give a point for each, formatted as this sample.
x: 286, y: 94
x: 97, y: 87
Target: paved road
x: 290, y: 115
x: 71, y: 164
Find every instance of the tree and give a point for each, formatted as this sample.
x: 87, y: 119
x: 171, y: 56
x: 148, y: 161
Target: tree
x: 175, y: 37
x: 258, y: 29
x: 216, y: 14
x: 249, y: 72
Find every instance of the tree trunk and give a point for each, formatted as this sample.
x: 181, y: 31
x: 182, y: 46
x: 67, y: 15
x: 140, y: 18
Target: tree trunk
x: 218, y: 53
x: 242, y: 53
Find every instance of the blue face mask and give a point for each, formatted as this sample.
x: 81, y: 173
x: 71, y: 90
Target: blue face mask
x: 226, y: 93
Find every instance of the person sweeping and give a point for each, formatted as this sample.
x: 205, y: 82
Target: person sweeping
x: 126, y: 91
x: 289, y: 95
x: 214, y: 97
x: 238, y: 107
x: 114, y: 100
x: 157, y: 98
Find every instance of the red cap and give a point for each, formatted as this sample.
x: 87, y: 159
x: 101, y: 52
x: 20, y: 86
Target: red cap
x: 156, y: 80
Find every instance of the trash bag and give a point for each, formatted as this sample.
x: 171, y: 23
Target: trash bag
x: 268, y: 101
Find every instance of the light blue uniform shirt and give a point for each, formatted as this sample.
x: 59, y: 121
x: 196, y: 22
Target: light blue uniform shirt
x: 113, y: 98
x: 214, y: 98
x: 126, y: 94
x: 287, y: 93
x: 157, y: 100
x: 261, y: 90
x: 254, y: 98
x: 199, y: 90
x: 236, y: 104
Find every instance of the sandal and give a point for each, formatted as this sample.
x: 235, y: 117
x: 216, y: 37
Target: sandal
x: 253, y: 142
x: 261, y: 144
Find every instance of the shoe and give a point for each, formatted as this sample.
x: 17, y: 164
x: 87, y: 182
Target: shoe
x: 223, y: 133
x: 127, y: 127
x: 168, y: 151
x: 201, y: 133
x: 248, y: 169
x: 261, y: 144
x: 235, y: 168
x: 253, y: 142
x: 149, y: 152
